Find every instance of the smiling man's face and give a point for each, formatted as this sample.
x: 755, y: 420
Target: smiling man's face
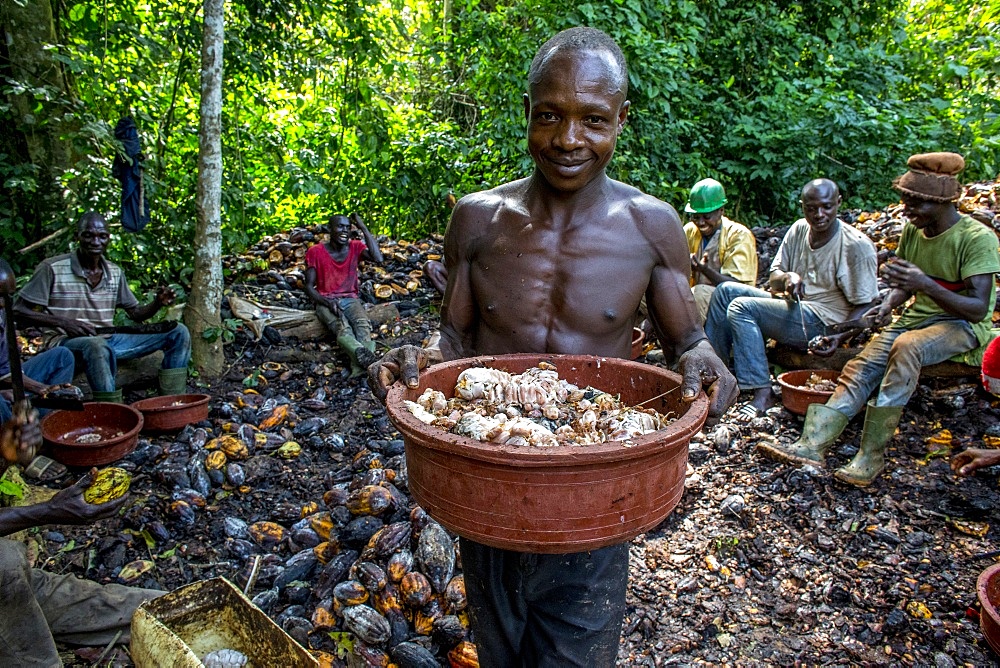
x: 575, y: 113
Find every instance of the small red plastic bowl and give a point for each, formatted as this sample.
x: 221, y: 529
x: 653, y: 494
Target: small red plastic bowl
x: 66, y: 433
x: 797, y: 398
x: 988, y: 588
x: 172, y: 412
x: 638, y: 336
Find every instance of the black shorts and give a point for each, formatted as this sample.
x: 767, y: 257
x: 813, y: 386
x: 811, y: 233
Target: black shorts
x: 545, y: 609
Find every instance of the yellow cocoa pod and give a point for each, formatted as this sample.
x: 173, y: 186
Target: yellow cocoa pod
x: 216, y: 460
x: 110, y: 484
x: 234, y: 448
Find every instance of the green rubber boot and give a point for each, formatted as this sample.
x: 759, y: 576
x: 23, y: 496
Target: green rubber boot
x: 110, y: 397
x: 823, y: 426
x: 173, y: 381
x: 880, y: 426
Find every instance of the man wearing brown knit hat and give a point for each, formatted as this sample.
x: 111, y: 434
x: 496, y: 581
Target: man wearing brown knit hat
x: 947, y: 262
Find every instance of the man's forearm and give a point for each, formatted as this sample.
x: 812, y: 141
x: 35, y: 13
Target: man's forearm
x: 23, y: 517
x: 143, y: 313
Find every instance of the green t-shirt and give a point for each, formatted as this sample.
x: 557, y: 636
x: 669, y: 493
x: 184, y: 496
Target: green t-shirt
x: 967, y: 248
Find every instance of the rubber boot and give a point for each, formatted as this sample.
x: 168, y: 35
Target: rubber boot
x: 823, y: 426
x: 880, y: 425
x: 110, y: 397
x: 173, y: 381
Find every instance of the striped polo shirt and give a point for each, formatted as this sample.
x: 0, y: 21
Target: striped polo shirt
x: 59, y: 287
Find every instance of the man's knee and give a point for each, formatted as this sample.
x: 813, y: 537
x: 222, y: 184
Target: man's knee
x: 179, y: 337
x: 94, y: 349
x: 61, y: 357
x: 13, y: 558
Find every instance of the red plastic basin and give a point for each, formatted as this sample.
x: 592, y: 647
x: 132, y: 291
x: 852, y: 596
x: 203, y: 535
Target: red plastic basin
x: 988, y: 588
x: 797, y: 398
x: 117, y: 425
x: 172, y: 412
x: 556, y: 499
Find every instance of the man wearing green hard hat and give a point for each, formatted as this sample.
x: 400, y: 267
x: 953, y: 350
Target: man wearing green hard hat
x: 721, y: 249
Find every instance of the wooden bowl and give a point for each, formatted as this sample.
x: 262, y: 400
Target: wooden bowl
x: 554, y: 499
x: 172, y: 412
x: 114, y: 426
x: 797, y: 398
x: 988, y: 589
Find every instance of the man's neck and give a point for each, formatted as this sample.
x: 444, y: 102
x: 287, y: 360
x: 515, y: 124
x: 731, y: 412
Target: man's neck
x: 817, y: 241
x: 943, y: 222
x: 87, y: 261
x: 560, y: 205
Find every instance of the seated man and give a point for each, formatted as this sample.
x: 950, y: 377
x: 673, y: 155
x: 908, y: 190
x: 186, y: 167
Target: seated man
x: 721, y: 250
x: 946, y: 262
x: 827, y: 274
x: 37, y: 607
x: 332, y: 284
x: 41, y: 373
x: 73, y: 294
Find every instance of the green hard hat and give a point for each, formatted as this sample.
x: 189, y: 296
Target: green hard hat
x: 706, y: 196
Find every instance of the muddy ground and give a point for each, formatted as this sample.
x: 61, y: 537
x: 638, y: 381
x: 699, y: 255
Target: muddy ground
x: 760, y: 564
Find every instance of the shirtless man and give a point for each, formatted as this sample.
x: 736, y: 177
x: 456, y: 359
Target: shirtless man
x: 557, y: 263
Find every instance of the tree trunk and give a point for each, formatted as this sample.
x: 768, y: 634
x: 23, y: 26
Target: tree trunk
x: 202, y: 312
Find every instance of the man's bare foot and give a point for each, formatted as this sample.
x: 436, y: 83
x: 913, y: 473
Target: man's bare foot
x: 763, y: 398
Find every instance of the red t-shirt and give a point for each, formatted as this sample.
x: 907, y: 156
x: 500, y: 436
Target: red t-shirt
x: 336, y: 279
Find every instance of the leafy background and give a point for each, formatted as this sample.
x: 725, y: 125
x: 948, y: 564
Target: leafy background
x: 387, y: 107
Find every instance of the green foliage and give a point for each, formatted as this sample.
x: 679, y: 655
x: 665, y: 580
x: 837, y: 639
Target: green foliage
x: 388, y: 107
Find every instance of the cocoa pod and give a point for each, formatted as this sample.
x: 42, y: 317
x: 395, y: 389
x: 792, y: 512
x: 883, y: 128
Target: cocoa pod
x: 359, y: 531
x: 322, y: 524
x: 267, y: 534
x: 448, y: 631
x: 399, y: 565
x: 323, y: 617
x: 415, y: 589
x: 367, y: 624
x: 390, y: 539
x: 454, y: 594
x: 370, y: 575
x: 423, y: 620
x: 412, y: 655
x: 326, y: 551
x: 216, y: 460
x: 350, y: 592
x: 369, y: 500
x: 365, y: 656
x: 109, y: 484
x: 436, y: 555
x: 463, y: 655
x: 387, y: 600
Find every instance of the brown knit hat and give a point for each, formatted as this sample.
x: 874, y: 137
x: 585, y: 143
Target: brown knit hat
x: 932, y: 177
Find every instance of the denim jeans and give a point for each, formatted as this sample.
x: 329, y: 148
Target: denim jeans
x: 51, y: 367
x: 741, y: 318
x: 352, y: 329
x: 100, y: 355
x: 892, y: 360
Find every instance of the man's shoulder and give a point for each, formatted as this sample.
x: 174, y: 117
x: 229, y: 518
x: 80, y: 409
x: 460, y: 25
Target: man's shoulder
x: 975, y: 229
x: 736, y: 228
x: 63, y: 259
x: 855, y: 237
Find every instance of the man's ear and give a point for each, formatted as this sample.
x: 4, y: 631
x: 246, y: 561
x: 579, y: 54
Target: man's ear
x: 527, y: 107
x: 623, y: 115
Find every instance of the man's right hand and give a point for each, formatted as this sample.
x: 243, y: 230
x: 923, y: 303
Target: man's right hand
x: 68, y: 506
x: 334, y: 307
x: 399, y: 363
x: 77, y: 328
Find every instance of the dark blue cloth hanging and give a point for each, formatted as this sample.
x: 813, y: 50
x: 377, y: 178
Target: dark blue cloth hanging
x: 127, y: 168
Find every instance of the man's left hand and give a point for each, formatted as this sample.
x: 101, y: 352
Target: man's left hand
x: 69, y: 507
x: 701, y: 367
x: 165, y: 295
x: 903, y: 275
